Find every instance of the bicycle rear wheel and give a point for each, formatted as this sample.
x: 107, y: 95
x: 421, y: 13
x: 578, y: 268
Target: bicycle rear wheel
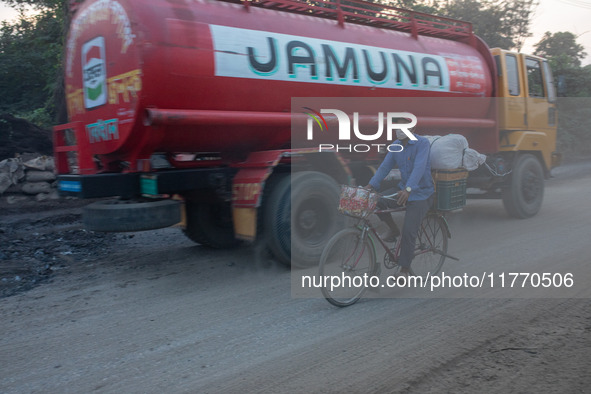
x: 347, y: 256
x: 430, y: 247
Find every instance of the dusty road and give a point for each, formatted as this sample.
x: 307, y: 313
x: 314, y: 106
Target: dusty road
x: 156, y: 313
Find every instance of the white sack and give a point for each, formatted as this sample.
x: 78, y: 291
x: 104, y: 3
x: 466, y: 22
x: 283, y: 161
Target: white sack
x: 42, y: 163
x: 36, y: 187
x: 40, y: 176
x: 5, y: 182
x: 13, y: 168
x: 451, y: 151
x: 446, y: 151
x: 472, y: 159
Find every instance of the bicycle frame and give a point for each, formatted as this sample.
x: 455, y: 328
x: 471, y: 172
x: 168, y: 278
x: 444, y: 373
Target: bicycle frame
x: 367, y: 226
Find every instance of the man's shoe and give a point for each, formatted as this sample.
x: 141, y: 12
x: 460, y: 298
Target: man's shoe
x: 389, y: 236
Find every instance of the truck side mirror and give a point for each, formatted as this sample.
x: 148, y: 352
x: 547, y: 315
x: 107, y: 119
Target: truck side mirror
x: 498, y: 64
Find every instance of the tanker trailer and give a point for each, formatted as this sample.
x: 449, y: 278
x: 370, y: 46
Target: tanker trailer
x: 206, y: 87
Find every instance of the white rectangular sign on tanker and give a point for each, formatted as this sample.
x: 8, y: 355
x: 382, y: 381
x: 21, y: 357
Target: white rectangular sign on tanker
x: 245, y: 53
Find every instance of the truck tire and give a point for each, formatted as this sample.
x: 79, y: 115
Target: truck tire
x: 210, y: 224
x: 130, y: 215
x: 311, y: 199
x: 523, y: 198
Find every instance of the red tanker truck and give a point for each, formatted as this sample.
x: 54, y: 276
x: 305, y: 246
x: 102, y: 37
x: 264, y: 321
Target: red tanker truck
x: 184, y: 107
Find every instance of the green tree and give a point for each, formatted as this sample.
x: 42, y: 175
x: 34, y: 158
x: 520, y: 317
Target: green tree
x: 426, y: 6
x: 503, y: 23
x: 37, y: 4
x: 564, y: 55
x: 574, y: 107
x: 486, y: 18
x: 31, y: 51
x: 517, y: 20
x: 561, y: 49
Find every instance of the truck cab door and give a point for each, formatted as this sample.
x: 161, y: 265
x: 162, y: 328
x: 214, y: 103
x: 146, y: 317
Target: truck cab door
x: 540, y: 100
x: 512, y: 106
x: 527, y: 105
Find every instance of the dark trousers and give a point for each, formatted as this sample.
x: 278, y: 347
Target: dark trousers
x: 415, y: 212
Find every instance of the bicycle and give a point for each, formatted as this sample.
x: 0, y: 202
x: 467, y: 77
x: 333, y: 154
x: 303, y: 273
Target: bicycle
x: 352, y: 250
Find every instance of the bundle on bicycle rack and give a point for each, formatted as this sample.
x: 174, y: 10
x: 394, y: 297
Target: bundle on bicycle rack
x: 357, y: 201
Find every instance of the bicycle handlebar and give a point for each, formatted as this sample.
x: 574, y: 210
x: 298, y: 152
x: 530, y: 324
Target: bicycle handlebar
x: 391, y: 196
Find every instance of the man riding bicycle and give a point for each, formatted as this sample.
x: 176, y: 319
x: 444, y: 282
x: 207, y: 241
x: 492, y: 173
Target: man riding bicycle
x: 415, y: 190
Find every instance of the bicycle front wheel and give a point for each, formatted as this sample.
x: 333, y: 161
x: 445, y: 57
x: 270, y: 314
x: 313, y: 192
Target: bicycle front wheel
x: 345, y: 260
x: 430, y: 247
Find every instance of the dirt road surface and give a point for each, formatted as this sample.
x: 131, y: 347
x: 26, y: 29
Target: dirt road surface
x: 151, y: 312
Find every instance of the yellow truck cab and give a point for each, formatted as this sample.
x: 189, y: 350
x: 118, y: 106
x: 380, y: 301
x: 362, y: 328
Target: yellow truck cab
x: 527, y: 106
x: 527, y: 121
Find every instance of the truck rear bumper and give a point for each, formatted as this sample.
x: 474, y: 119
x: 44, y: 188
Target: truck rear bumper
x: 99, y: 185
x: 132, y: 185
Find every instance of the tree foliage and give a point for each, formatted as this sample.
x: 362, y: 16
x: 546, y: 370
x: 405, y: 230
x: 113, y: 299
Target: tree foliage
x: 564, y: 55
x: 486, y: 18
x: 574, y: 107
x: 36, y: 4
x: 503, y: 23
x: 30, y: 61
x: 561, y: 48
x: 426, y: 6
x: 500, y: 23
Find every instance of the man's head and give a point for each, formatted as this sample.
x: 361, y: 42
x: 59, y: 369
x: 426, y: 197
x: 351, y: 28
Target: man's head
x: 401, y: 135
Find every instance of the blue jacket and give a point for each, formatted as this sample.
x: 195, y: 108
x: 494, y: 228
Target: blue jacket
x: 415, y: 169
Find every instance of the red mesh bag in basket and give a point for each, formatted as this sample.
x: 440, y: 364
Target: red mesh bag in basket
x: 357, y: 201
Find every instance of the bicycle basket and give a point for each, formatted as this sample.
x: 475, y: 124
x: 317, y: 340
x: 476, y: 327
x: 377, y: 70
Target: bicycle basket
x: 357, y: 201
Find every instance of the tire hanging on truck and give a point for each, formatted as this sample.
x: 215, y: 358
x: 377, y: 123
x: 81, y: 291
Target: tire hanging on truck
x: 131, y: 215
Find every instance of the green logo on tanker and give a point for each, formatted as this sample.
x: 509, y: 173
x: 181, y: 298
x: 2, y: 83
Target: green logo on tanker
x: 94, y: 73
x: 94, y: 93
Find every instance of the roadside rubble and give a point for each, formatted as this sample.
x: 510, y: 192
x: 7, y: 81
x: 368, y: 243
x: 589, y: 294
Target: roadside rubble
x: 28, y: 174
x: 37, y: 238
x: 34, y: 246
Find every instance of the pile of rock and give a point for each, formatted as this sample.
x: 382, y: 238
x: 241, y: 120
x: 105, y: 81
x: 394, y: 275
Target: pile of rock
x: 18, y: 135
x: 30, y: 175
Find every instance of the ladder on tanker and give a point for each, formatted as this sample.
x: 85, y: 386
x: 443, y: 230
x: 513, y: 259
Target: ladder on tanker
x: 364, y: 12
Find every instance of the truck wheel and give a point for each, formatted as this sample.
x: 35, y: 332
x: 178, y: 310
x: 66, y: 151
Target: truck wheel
x: 210, y: 225
x: 129, y: 215
x: 523, y: 198
x: 309, y: 198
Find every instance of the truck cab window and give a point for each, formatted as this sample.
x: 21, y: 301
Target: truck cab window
x: 534, y: 78
x: 512, y: 75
